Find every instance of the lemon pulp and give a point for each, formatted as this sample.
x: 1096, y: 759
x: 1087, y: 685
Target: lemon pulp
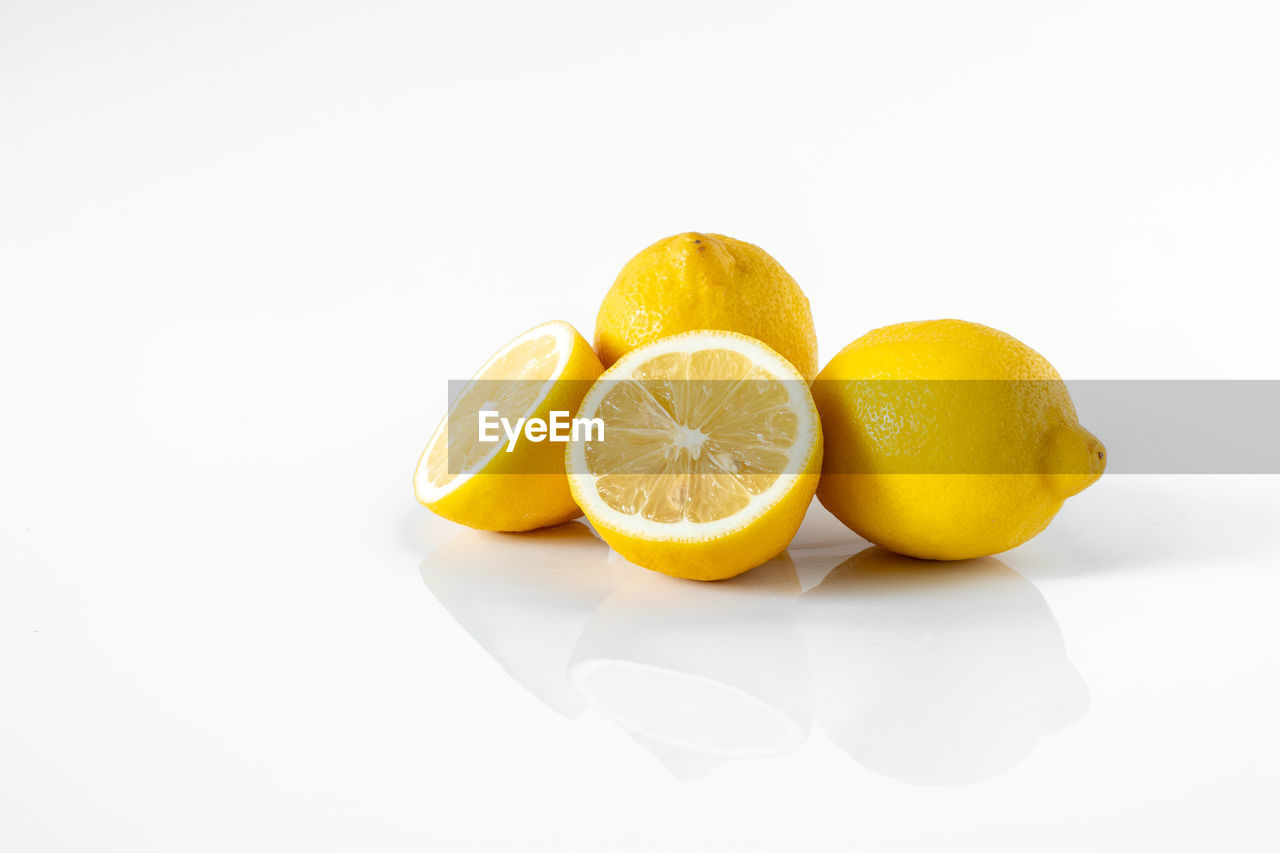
x: 511, y: 384
x: 693, y: 436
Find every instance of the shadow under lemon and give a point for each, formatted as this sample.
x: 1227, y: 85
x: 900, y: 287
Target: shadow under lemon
x: 936, y: 673
x: 932, y: 673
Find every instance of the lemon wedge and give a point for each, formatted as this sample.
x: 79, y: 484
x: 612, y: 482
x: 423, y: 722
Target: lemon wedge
x: 509, y: 484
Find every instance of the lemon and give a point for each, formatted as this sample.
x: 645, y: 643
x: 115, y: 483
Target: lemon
x: 706, y: 281
x: 479, y: 483
x: 710, y: 455
x: 948, y: 440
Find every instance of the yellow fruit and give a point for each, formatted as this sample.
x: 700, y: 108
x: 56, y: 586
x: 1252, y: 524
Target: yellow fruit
x: 706, y: 281
x: 548, y: 368
x: 932, y: 467
x: 710, y: 455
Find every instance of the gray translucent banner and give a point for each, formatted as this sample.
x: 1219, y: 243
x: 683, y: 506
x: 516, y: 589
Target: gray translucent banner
x: 916, y: 426
x: 1183, y: 426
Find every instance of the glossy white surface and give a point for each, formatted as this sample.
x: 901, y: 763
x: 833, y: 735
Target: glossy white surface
x: 240, y: 671
x: 936, y: 674
x: 243, y: 247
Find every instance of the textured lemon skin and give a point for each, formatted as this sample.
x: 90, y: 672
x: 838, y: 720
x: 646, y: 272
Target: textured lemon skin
x: 504, y: 496
x: 728, y: 556
x: 706, y: 281
x: 1027, y: 425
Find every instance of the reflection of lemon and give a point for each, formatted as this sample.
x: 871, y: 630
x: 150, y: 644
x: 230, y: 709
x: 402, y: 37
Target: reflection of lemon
x: 706, y: 281
x: 525, y: 599
x: 700, y: 675
x: 709, y: 458
x: 943, y: 469
x: 936, y: 673
x: 477, y: 483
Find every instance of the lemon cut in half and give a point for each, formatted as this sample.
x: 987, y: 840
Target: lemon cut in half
x: 710, y: 455
x: 478, y: 483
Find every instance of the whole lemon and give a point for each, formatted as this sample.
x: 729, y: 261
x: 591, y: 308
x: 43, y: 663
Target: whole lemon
x: 948, y: 440
x: 698, y: 281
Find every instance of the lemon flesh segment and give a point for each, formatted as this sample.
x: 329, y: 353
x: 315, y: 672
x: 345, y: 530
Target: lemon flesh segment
x: 479, y: 483
x: 705, y: 434
x: 508, y: 384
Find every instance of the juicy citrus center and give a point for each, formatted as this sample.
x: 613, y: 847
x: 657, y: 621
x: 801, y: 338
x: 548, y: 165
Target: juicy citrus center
x: 511, y: 384
x: 692, y: 436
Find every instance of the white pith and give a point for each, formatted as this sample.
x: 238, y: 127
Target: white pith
x: 426, y: 491
x: 684, y: 530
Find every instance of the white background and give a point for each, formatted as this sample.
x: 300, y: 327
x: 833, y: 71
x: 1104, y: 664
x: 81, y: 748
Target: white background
x: 243, y: 245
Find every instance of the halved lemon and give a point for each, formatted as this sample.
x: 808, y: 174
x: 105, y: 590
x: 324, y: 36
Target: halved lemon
x: 480, y: 483
x: 709, y: 458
